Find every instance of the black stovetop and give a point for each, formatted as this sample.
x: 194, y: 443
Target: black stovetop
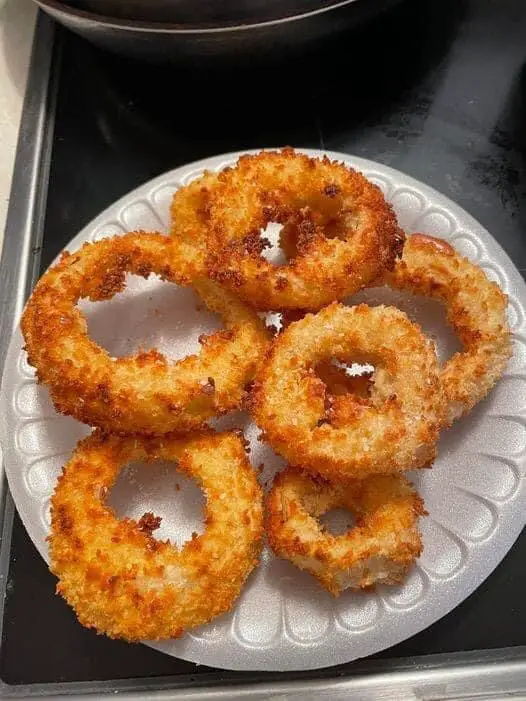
x: 435, y: 88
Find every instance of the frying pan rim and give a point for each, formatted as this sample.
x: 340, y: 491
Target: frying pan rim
x: 175, y: 29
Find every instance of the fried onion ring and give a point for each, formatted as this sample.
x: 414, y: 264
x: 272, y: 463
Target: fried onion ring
x: 395, y: 429
x: 144, y: 393
x: 190, y: 215
x: 380, y: 549
x: 347, y: 233
x: 334, y: 376
x: 116, y: 576
x: 476, y: 310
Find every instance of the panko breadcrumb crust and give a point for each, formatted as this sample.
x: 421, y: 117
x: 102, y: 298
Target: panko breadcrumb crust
x: 345, y: 437
x: 379, y: 549
x: 118, y: 578
x: 476, y: 310
x: 190, y: 216
x: 144, y: 393
x: 347, y: 234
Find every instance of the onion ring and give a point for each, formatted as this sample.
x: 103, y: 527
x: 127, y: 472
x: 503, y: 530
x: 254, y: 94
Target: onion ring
x: 476, y: 310
x: 190, y: 215
x: 144, y: 393
x: 116, y: 576
x: 334, y: 376
x: 396, y: 429
x: 347, y: 233
x: 379, y: 549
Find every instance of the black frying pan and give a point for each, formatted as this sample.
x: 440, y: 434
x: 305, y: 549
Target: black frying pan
x: 192, y: 31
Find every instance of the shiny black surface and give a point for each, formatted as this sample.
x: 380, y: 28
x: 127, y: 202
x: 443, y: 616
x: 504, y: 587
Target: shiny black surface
x: 208, y: 33
x: 436, y: 88
x: 184, y: 13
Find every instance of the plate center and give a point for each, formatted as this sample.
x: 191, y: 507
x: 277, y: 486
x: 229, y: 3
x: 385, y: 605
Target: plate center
x: 150, y: 314
x: 159, y: 489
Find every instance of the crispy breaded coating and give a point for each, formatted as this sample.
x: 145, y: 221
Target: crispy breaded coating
x: 347, y: 234
x: 144, y: 393
x: 190, y: 216
x: 116, y: 576
x: 379, y: 549
x: 395, y: 429
x: 476, y: 310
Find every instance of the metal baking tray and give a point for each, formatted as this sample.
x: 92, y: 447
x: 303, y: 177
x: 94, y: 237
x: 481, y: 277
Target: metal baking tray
x: 488, y: 674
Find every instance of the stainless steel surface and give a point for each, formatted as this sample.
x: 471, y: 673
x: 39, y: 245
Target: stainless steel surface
x: 500, y: 674
x: 260, y: 36
x: 23, y: 232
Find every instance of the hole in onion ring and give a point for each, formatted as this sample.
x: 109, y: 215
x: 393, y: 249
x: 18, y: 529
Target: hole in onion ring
x: 341, y: 378
x: 280, y: 240
x: 324, y: 216
x: 337, y: 521
x: 428, y: 313
x: 149, y: 314
x: 157, y: 489
x: 273, y: 252
x: 354, y: 369
x: 337, y: 229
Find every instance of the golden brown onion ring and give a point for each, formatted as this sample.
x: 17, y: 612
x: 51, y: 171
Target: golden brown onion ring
x: 476, y: 310
x: 190, y: 215
x: 116, y: 576
x: 395, y: 429
x: 335, y: 377
x: 144, y: 393
x: 379, y: 549
x: 347, y: 234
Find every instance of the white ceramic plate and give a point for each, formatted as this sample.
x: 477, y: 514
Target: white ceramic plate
x: 475, y: 495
